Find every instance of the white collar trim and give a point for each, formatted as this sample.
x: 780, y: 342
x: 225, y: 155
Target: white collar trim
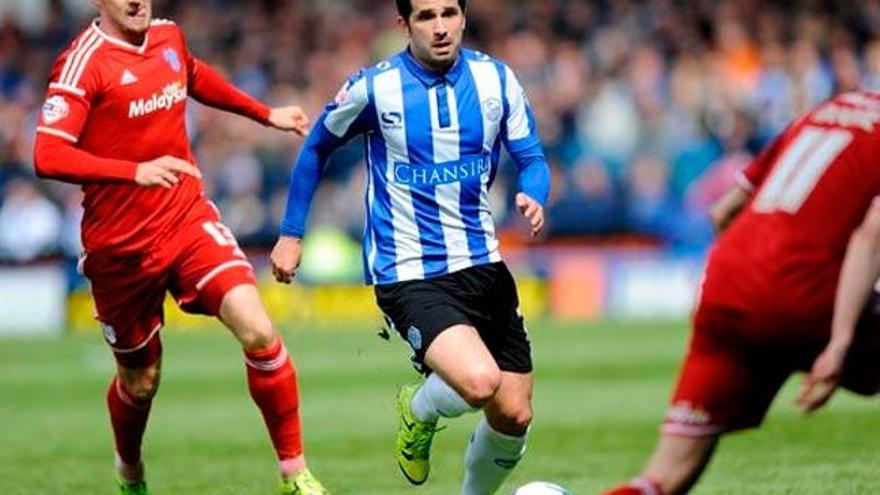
x: 124, y: 44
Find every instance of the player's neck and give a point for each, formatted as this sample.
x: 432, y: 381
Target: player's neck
x: 428, y: 66
x: 114, y: 30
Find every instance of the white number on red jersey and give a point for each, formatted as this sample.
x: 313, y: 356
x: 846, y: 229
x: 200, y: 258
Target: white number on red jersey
x: 222, y: 236
x: 800, y: 167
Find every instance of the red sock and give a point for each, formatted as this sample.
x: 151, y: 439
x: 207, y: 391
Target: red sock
x: 129, y: 419
x: 638, y: 486
x: 272, y: 381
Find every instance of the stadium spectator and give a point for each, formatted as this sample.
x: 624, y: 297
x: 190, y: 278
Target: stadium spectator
x: 29, y: 223
x: 610, y: 80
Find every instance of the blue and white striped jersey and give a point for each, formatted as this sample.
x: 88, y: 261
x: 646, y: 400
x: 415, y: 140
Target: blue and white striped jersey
x: 432, y: 146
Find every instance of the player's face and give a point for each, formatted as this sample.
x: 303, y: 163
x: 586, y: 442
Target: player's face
x: 130, y: 17
x: 435, y: 29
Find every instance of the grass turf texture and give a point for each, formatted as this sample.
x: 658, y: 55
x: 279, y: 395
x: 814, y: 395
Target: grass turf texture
x: 600, y: 394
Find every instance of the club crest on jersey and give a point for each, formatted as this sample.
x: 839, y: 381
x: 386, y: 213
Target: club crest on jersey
x: 54, y: 109
x: 492, y: 109
x: 109, y: 332
x: 172, y: 58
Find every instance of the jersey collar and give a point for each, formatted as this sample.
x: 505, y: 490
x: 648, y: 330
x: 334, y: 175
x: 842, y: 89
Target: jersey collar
x: 429, y: 77
x: 122, y: 43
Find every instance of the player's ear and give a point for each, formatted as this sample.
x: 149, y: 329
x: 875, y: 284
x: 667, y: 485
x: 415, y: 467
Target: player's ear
x: 402, y: 23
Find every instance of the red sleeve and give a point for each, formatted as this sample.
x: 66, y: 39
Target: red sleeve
x: 64, y: 113
x: 57, y: 158
x: 207, y: 86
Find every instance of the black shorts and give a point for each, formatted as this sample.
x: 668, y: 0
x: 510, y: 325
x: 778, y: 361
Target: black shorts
x: 483, y: 297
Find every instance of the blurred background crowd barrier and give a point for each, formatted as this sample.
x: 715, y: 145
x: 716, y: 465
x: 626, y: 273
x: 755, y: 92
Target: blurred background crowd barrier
x: 647, y: 110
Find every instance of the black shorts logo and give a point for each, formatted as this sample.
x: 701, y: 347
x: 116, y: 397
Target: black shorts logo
x: 414, y: 337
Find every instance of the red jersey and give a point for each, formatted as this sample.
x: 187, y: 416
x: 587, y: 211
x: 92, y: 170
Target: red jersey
x: 111, y: 105
x: 812, y: 188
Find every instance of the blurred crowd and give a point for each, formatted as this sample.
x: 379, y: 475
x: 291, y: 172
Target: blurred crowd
x: 647, y: 108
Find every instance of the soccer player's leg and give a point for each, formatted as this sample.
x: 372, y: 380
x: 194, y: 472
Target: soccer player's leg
x: 461, y: 373
x: 215, y: 278
x: 463, y: 378
x: 129, y: 307
x: 499, y: 440
x: 722, y: 388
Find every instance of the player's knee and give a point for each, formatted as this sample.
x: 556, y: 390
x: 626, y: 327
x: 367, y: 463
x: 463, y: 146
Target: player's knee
x: 520, y: 419
x: 258, y: 339
x: 143, y: 384
x: 480, y: 385
x: 257, y: 334
x: 514, y: 420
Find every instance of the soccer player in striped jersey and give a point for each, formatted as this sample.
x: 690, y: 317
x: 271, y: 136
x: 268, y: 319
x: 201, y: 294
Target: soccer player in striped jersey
x: 434, y: 119
x: 113, y: 121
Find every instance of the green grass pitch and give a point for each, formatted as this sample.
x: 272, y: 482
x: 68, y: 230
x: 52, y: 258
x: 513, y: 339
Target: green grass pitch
x: 600, y: 394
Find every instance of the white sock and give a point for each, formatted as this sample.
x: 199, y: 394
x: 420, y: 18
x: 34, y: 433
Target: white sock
x: 489, y: 459
x: 437, y: 399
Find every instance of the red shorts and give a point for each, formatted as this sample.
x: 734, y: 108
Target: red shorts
x: 737, y: 363
x: 198, y: 263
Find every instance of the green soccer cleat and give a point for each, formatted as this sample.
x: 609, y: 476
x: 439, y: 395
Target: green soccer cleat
x: 413, y: 438
x: 138, y: 488
x: 304, y: 483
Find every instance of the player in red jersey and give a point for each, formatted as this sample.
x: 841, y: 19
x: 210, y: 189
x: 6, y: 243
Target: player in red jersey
x: 113, y: 121
x: 787, y: 288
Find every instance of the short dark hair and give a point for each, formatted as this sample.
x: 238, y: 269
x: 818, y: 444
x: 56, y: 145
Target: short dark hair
x: 404, y: 7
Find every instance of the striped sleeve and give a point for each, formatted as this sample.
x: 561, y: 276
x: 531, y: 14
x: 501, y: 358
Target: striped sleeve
x: 71, y: 90
x: 520, y: 137
x: 519, y: 123
x: 346, y: 115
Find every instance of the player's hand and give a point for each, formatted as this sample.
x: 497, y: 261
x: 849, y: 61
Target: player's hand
x: 285, y: 257
x: 291, y: 118
x: 164, y: 172
x: 532, y: 211
x: 824, y: 378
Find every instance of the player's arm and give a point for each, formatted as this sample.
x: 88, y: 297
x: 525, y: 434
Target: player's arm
x: 349, y: 115
x: 726, y: 209
x: 520, y: 136
x: 58, y: 156
x: 207, y: 86
x: 858, y: 274
x: 729, y: 206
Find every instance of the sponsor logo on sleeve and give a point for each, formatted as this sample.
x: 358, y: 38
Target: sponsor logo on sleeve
x: 342, y: 95
x: 54, y: 109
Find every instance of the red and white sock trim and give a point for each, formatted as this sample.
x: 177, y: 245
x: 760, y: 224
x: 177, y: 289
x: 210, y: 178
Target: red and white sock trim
x: 646, y: 486
x: 269, y: 364
x: 684, y: 430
